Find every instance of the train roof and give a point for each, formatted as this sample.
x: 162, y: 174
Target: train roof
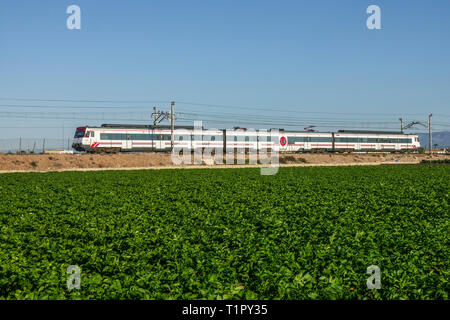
x: 141, y: 126
x: 370, y: 132
x: 166, y: 127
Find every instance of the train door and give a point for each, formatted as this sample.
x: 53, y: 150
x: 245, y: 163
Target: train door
x: 378, y: 144
x: 128, y: 142
x: 357, y: 144
x: 153, y: 136
x: 307, y: 141
x: 89, y: 135
x: 397, y: 144
x: 159, y: 141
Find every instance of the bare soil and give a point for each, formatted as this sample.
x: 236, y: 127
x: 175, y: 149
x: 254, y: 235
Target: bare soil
x: 64, y: 162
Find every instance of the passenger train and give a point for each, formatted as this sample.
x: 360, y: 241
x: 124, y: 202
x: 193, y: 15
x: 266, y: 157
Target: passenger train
x: 138, y: 138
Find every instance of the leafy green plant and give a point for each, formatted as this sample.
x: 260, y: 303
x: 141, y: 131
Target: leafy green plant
x: 305, y: 233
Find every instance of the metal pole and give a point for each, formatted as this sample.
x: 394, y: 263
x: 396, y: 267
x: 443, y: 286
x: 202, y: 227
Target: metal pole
x: 171, y: 124
x: 430, y: 139
x: 20, y: 145
x: 401, y: 125
x: 155, y: 116
x: 43, y: 146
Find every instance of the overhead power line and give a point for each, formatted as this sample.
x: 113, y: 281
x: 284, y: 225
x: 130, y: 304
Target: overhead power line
x: 207, y: 113
x: 66, y: 107
x: 287, y: 109
x: 86, y: 101
x: 278, y: 108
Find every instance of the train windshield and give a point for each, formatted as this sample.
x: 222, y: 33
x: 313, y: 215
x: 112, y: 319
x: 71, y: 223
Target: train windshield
x: 80, y: 132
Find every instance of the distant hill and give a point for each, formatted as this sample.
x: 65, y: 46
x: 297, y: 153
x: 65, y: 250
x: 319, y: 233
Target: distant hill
x: 441, y: 138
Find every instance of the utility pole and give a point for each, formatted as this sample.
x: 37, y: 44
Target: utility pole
x: 172, y: 124
x: 401, y: 125
x: 430, y: 140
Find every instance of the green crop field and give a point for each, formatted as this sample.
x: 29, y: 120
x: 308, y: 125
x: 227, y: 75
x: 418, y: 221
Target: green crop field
x: 305, y: 233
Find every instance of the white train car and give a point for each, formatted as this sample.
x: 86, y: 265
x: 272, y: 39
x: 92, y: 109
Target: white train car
x: 303, y: 141
x: 375, y: 141
x: 351, y: 140
x: 127, y: 138
x: 122, y: 138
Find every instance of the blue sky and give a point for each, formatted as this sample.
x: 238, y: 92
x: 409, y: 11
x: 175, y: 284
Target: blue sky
x: 286, y: 57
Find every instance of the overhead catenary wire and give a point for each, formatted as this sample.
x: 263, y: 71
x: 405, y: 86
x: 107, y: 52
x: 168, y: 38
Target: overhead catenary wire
x: 335, y: 123
x: 346, y: 119
x: 217, y: 115
x: 278, y: 108
x: 85, y: 100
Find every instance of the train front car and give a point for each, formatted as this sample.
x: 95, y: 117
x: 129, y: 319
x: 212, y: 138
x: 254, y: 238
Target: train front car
x: 375, y: 141
x: 79, y: 139
x: 84, y: 139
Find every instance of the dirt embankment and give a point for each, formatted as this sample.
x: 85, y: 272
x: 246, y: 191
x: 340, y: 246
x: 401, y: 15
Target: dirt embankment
x: 59, y: 162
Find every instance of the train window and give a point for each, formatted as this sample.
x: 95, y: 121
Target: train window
x: 79, y: 134
x: 292, y: 140
x: 388, y: 140
x: 112, y: 136
x: 348, y: 140
x: 92, y: 134
x: 365, y: 140
x: 141, y: 136
x: 87, y: 133
x: 320, y: 139
x: 240, y: 138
